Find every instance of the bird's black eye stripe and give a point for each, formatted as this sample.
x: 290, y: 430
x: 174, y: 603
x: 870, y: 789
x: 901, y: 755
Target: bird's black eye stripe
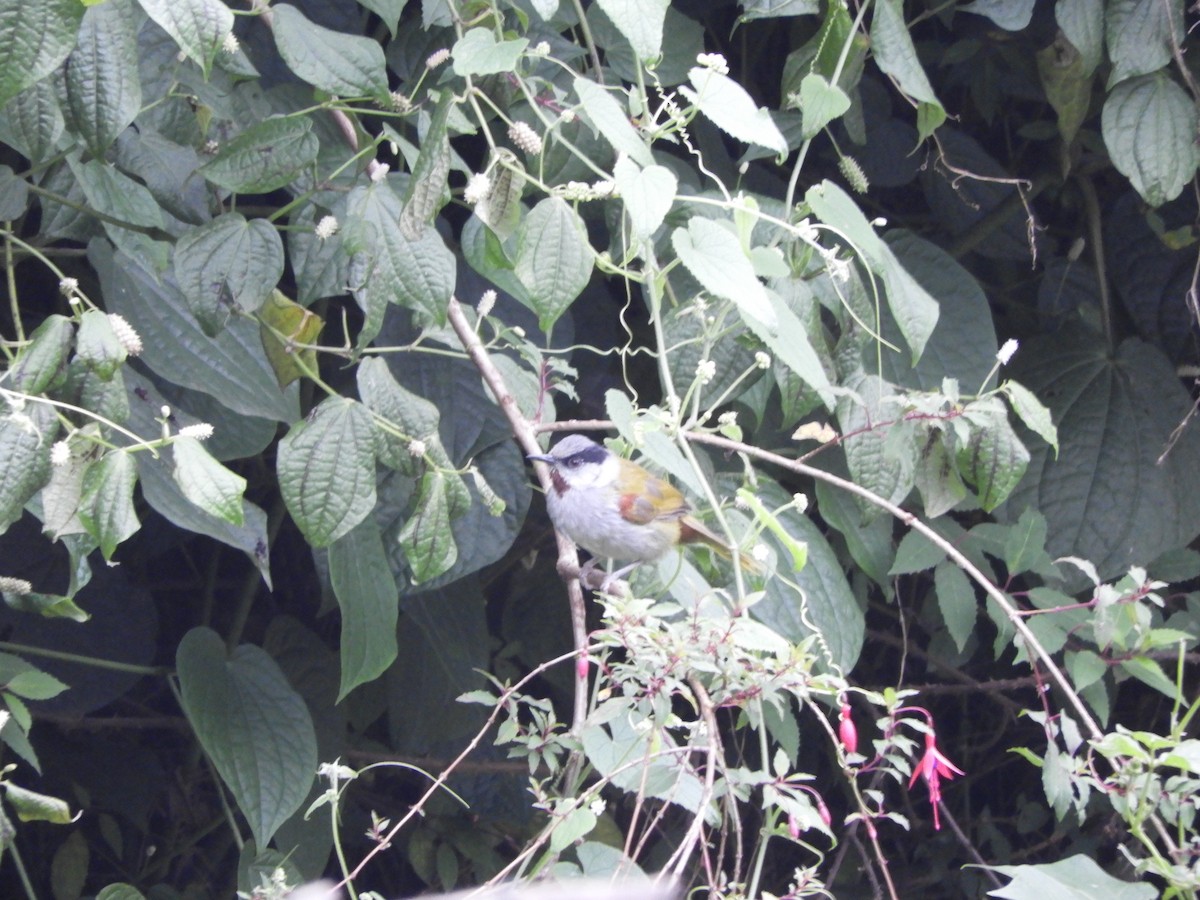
x: 593, y: 454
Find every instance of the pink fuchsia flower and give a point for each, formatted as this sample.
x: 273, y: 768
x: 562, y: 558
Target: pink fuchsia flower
x: 847, y: 732
x: 933, y: 767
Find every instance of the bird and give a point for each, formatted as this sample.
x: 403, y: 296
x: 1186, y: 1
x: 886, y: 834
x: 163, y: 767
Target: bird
x: 616, y: 509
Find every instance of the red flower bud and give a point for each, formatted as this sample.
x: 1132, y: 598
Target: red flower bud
x: 581, y: 668
x: 847, y: 733
x: 793, y: 828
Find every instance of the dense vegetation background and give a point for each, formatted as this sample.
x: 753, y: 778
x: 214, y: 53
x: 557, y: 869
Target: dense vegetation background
x: 902, y: 295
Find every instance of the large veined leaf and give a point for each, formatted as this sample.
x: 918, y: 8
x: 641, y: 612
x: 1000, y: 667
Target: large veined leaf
x: 254, y: 727
x: 103, y: 92
x: 896, y: 55
x: 198, y: 26
x: 326, y: 468
x: 1105, y: 497
x: 479, y: 53
x: 714, y: 255
x: 207, y: 483
x: 228, y: 261
x: 119, y: 197
x: 25, y: 440
x: 731, y: 109
x: 1139, y: 36
x: 367, y: 596
x: 641, y: 22
x: 554, y: 259
x: 265, y: 156
x: 34, y: 39
x: 1011, y: 15
x: 771, y: 9
x: 1149, y: 127
x: 106, y: 506
x: 647, y: 194
x: 825, y: 602
x: 607, y: 115
x: 33, y: 121
x: 915, y: 312
x: 343, y: 64
x: 1074, y: 878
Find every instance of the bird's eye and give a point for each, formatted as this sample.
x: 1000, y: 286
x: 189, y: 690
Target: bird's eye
x: 574, y: 462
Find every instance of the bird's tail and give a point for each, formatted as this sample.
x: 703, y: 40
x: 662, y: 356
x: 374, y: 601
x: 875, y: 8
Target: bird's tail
x: 693, y: 532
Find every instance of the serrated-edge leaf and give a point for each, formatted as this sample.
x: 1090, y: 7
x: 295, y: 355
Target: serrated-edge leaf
x: 39, y: 363
x: 715, y: 257
x: 97, y: 345
x: 32, y: 806
x: 207, y: 483
x: 640, y: 22
x: 369, y: 601
x: 993, y: 459
x: 25, y: 447
x: 647, y: 194
x: 252, y: 724
x: 1032, y: 412
x: 326, y: 468
x: 610, y: 119
x: 343, y: 64
x: 479, y: 53
x: 820, y: 103
x: 727, y: 104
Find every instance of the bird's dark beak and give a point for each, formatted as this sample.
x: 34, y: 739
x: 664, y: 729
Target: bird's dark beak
x: 542, y: 457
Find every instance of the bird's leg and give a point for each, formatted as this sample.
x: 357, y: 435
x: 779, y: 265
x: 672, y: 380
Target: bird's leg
x: 607, y: 584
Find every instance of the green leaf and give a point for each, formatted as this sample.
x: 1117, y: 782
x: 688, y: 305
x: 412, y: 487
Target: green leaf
x: 715, y: 256
x: 30, y: 806
x: 501, y: 209
x: 14, y: 194
x: 326, y: 467
x: 1149, y: 126
x: 207, y: 483
x: 103, y: 90
x: 120, y: 197
x: 916, y: 553
x: 252, y: 724
x: 388, y: 11
x: 1140, y: 35
x: 1030, y: 410
x: 426, y: 538
x: 97, y: 345
x: 915, y: 311
x: 1067, y: 81
x: 479, y: 53
x: 367, y: 596
x: 106, y: 506
x: 554, y: 259
x: 936, y: 474
x: 641, y: 22
x: 34, y: 39
x: 730, y: 108
x: 232, y: 367
x: 1011, y: 15
x: 228, y: 261
x: 821, y: 103
x: 993, y: 459
x: 342, y: 64
x: 282, y: 316
x: 612, y: 121
x: 571, y: 827
x: 770, y: 9
x: 825, y: 603
x: 871, y: 545
x: 1075, y: 878
x: 956, y: 600
x: 788, y: 340
x: 120, y: 892
x: 1148, y: 671
x: 25, y: 441
x: 198, y: 26
x: 647, y: 194
x: 416, y: 273
x: 1025, y: 544
x: 45, y: 358
x: 881, y: 458
x: 35, y: 685
x: 1105, y: 494
x: 426, y: 193
x: 1082, y: 23
x: 32, y: 122
x: 265, y: 156
x: 895, y: 54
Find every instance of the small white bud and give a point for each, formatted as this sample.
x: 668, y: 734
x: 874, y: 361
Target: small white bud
x: 542, y: 48
x: 336, y: 772
x: 229, y: 44
x: 417, y: 448
x: 486, y: 302
x: 125, y: 333
x: 706, y: 371
x: 568, y: 115
x: 601, y: 189
x: 800, y: 501
x: 399, y: 102
x: 201, y: 431
x: 211, y: 148
x: 521, y: 134
x: 727, y: 418
x: 165, y: 411
x: 68, y: 286
x: 436, y: 58
x: 714, y: 61
x: 760, y: 553
x: 478, y: 188
x: 60, y: 453
x: 378, y: 171
x: 1006, y: 352
x: 9, y: 585
x: 762, y: 360
x: 326, y: 228
x: 518, y: 331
